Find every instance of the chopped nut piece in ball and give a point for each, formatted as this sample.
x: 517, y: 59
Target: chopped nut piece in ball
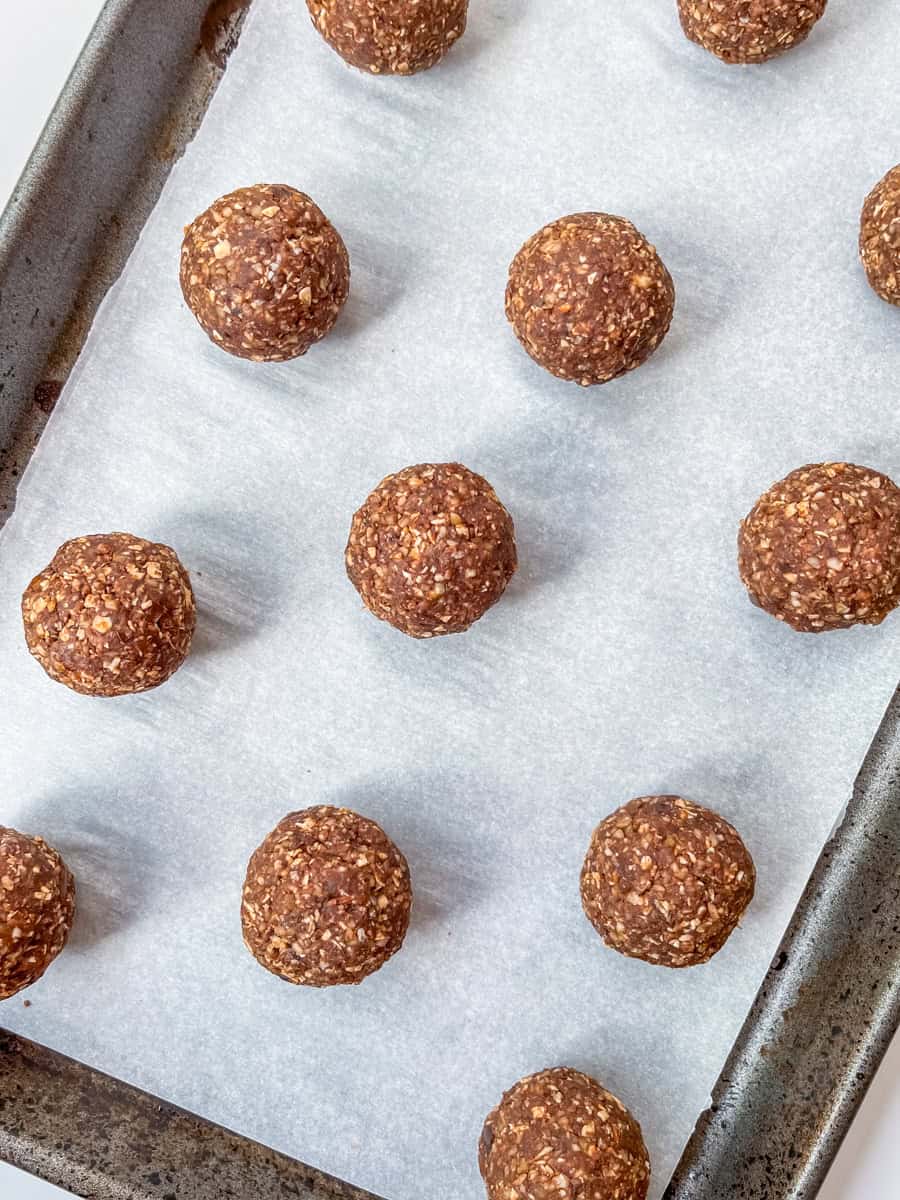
x: 390, y: 37
x: 879, y: 237
x: 326, y: 899
x: 589, y: 298
x: 748, y: 31
x: 559, y: 1134
x: 110, y: 615
x: 431, y: 549
x: 821, y: 549
x: 666, y: 880
x: 264, y: 272
x: 37, y: 906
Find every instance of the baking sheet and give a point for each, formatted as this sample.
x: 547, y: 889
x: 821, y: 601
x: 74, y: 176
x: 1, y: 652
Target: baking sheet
x: 624, y: 658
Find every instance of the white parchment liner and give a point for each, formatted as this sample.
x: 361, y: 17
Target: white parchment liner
x: 625, y: 658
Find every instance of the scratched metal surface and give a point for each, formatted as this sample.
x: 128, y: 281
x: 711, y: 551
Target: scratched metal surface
x: 829, y: 1004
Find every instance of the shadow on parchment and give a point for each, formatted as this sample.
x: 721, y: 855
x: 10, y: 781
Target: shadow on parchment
x: 707, y: 290
x: 553, y: 494
x: 108, y: 858
x: 230, y: 558
x: 488, y: 24
x: 449, y: 874
x: 738, y: 792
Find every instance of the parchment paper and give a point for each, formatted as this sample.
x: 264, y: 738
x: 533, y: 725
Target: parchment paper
x: 625, y: 658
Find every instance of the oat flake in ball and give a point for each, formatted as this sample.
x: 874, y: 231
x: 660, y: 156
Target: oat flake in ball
x: 666, y: 880
x: 879, y: 237
x: 110, y: 615
x: 749, y: 31
x: 821, y: 549
x: 431, y: 549
x: 558, y: 1135
x: 37, y: 906
x: 390, y: 37
x: 326, y: 899
x: 264, y: 272
x: 589, y: 298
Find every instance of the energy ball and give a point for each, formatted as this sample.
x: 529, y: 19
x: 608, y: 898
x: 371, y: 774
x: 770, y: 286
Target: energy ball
x: 37, y: 906
x: 390, y: 37
x: 326, y: 899
x: 666, y: 880
x: 111, y: 614
x: 589, y: 298
x: 431, y: 549
x: 559, y: 1134
x: 748, y: 31
x: 264, y: 272
x: 879, y: 237
x: 821, y: 549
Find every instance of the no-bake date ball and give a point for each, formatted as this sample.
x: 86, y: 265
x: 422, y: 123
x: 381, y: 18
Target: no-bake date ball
x: 37, y: 906
x: 821, y: 549
x: 431, y: 549
x: 666, y: 880
x: 879, y: 237
x: 111, y: 614
x: 327, y: 898
x: 559, y: 1134
x: 589, y: 298
x: 264, y: 272
x: 749, y: 31
x: 390, y: 37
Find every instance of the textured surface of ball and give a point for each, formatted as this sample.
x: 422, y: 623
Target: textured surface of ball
x: 37, y: 907
x: 589, y: 298
x: 264, y: 272
x: 111, y: 614
x: 390, y: 37
x: 666, y: 880
x: 821, y: 549
x: 879, y: 237
x: 327, y: 898
x: 749, y: 31
x: 431, y: 549
x: 558, y: 1135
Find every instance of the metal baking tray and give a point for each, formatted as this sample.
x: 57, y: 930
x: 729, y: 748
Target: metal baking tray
x: 830, y: 1002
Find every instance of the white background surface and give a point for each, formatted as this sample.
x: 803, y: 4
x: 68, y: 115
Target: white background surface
x: 34, y: 58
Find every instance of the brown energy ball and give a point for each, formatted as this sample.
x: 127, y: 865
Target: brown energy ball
x: 879, y: 237
x: 37, y: 906
x: 821, y: 549
x: 326, y: 899
x: 390, y: 37
x: 111, y: 614
x: 589, y: 298
x: 666, y: 880
x: 264, y: 272
x: 749, y: 31
x: 559, y: 1134
x: 431, y: 549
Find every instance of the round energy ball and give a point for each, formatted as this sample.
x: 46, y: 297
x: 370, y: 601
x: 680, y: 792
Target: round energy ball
x: 559, y: 1134
x: 390, y: 37
x: 110, y: 615
x: 821, y: 549
x: 666, y: 880
x: 589, y: 298
x: 431, y: 549
x: 37, y: 906
x: 264, y: 272
x: 740, y: 31
x: 879, y: 237
x: 326, y: 899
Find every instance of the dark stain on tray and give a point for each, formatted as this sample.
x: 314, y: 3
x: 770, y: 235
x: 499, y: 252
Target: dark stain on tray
x: 220, y: 28
x: 47, y: 393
